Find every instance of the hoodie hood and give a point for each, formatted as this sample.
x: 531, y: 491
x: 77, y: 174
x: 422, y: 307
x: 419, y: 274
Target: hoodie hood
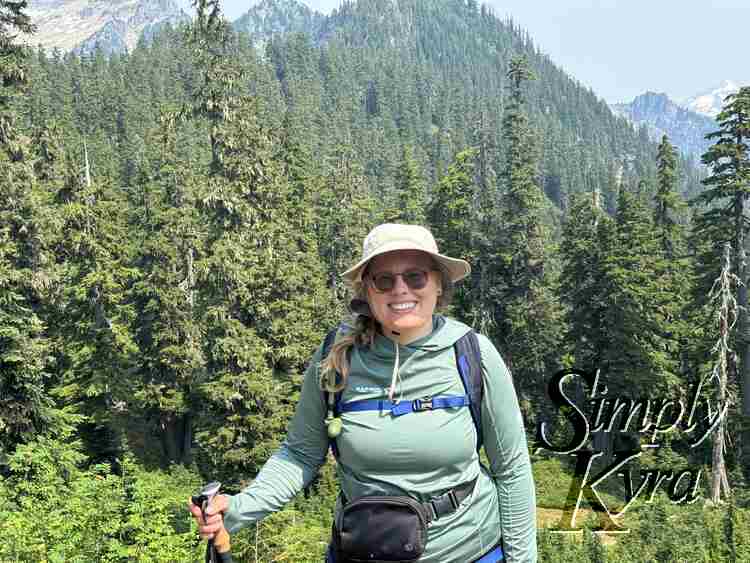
x: 445, y: 333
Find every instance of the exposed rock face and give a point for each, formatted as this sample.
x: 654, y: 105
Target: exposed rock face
x: 113, y: 25
x: 685, y: 129
x: 269, y: 17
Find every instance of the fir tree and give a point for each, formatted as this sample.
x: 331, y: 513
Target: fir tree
x: 453, y: 219
x: 642, y: 347
x: 728, y: 217
x: 262, y: 286
x: 668, y: 201
x: 409, y: 191
x: 585, y: 246
x: 527, y: 308
x: 26, y: 260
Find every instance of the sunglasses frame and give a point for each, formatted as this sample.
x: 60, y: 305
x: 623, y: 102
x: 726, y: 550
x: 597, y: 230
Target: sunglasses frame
x: 394, y: 275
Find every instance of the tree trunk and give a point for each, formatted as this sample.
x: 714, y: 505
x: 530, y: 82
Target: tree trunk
x: 743, y: 215
x: 727, y: 310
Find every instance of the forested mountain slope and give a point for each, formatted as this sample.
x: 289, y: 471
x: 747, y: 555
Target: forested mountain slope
x: 381, y: 75
x: 432, y: 73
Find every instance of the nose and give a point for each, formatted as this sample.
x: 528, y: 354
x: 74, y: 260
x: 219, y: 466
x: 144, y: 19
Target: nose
x: 399, y: 285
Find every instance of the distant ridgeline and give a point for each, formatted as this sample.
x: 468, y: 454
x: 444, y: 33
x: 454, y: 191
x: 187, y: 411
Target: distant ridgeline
x: 373, y: 77
x: 686, y: 129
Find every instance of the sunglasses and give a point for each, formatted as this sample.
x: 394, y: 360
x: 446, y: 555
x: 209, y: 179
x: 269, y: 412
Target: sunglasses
x: 386, y: 281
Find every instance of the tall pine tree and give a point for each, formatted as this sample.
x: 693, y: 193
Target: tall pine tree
x: 728, y: 217
x: 528, y: 313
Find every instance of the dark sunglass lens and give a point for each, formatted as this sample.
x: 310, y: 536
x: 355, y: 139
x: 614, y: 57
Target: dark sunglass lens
x: 384, y: 282
x: 415, y: 279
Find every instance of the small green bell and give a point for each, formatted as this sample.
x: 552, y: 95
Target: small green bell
x: 334, y: 427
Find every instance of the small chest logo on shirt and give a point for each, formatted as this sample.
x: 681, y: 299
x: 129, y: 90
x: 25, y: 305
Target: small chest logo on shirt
x: 368, y: 389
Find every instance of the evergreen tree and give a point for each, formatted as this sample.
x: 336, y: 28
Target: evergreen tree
x: 26, y: 272
x: 263, y: 291
x: 169, y: 331
x: 409, y: 199
x: 728, y: 217
x: 345, y: 212
x: 527, y: 308
x: 642, y: 348
x: 453, y: 220
x: 90, y: 318
x: 585, y: 246
x: 13, y: 63
x: 668, y: 201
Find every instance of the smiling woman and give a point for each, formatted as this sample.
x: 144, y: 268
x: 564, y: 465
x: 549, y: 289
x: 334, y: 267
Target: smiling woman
x: 407, y: 449
x: 402, y: 291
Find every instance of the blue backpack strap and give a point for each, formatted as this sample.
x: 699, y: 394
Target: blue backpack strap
x: 400, y: 408
x: 469, y: 363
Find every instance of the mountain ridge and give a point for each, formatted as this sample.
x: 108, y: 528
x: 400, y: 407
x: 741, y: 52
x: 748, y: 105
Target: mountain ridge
x: 113, y: 26
x: 660, y: 115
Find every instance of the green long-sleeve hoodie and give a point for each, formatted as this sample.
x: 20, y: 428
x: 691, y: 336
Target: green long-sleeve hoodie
x: 421, y: 454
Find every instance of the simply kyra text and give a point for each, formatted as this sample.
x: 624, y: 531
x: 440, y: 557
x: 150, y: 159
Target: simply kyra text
x: 649, y: 419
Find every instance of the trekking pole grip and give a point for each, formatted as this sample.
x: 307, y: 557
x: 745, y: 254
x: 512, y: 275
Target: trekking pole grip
x: 218, y: 548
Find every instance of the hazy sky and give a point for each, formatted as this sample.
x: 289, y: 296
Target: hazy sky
x: 622, y: 48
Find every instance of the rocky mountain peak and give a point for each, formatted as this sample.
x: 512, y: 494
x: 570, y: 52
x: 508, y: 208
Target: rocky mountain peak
x: 269, y: 17
x: 113, y: 25
x: 662, y: 116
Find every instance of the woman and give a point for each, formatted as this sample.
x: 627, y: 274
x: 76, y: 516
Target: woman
x: 399, y: 350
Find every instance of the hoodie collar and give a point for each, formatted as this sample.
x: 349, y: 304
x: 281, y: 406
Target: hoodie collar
x: 444, y: 333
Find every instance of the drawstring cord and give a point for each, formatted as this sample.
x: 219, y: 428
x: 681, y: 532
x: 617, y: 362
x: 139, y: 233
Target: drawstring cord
x: 396, y: 375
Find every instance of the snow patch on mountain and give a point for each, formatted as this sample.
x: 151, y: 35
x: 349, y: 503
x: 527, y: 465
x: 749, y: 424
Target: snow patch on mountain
x: 710, y: 102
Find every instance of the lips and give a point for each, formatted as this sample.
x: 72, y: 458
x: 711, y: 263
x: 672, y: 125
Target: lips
x: 403, y: 307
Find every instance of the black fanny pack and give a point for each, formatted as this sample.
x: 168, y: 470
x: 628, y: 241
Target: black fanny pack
x: 390, y: 529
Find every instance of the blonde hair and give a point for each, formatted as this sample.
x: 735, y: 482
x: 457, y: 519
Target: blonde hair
x: 334, y: 368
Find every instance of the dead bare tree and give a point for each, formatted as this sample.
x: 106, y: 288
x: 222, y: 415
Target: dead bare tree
x: 722, y: 293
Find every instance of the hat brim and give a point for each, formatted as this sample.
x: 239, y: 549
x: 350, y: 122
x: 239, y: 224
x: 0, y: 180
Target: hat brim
x: 457, y: 269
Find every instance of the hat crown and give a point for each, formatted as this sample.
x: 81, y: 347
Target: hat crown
x: 389, y: 233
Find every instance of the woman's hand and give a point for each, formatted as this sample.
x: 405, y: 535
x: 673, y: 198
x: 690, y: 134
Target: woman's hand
x: 214, y: 516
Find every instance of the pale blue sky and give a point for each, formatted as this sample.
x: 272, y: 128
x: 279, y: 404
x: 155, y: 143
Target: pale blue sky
x: 622, y: 48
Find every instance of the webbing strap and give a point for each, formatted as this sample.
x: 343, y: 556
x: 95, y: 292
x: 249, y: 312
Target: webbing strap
x: 469, y: 364
x: 492, y: 557
x: 404, y: 407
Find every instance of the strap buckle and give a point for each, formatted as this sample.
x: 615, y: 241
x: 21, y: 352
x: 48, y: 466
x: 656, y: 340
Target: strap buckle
x: 423, y: 404
x: 444, y: 504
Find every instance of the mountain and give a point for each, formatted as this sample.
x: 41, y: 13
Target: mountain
x: 270, y: 17
x: 686, y: 129
x: 114, y: 25
x: 710, y: 103
x: 381, y: 78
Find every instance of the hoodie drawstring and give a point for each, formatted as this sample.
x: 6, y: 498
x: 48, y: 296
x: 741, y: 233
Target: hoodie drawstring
x: 395, y: 376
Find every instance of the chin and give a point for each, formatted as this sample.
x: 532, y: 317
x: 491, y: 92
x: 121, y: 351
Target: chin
x: 408, y: 324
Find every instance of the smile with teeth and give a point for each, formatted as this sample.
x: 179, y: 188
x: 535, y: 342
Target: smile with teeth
x: 403, y: 306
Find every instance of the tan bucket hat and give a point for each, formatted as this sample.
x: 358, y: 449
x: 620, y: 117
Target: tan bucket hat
x: 392, y: 236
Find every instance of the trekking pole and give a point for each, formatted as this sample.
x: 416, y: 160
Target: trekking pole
x: 217, y: 550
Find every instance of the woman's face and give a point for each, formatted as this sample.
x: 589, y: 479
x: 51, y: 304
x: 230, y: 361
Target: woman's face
x: 403, y: 309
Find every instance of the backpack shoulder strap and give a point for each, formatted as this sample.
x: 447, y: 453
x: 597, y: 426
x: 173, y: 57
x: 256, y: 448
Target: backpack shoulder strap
x: 469, y: 363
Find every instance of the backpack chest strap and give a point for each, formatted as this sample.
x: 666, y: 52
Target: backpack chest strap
x: 401, y: 408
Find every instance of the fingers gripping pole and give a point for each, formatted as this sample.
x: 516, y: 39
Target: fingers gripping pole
x: 218, y: 548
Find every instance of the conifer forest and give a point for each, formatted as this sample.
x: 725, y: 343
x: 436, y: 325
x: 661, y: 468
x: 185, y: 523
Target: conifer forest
x: 174, y: 220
